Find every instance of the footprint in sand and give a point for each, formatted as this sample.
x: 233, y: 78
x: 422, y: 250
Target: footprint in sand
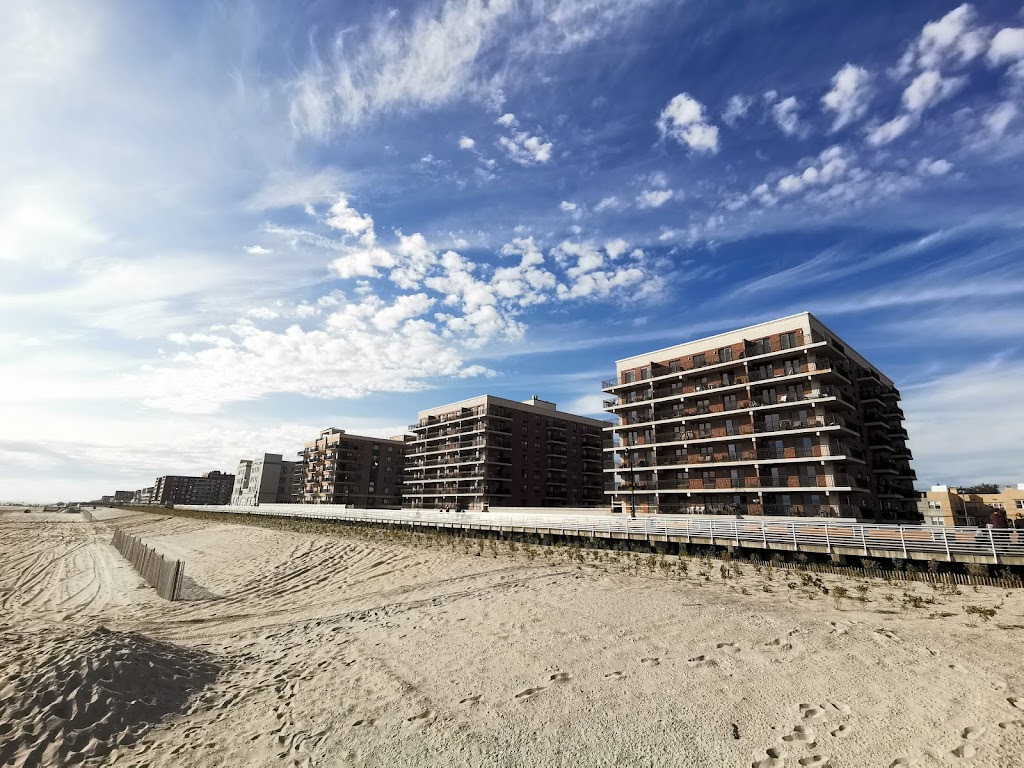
x: 1016, y: 703
x: 841, y: 732
x: 903, y: 762
x: 965, y: 751
x: 801, y: 734
x: 419, y: 719
x: 698, y: 661
x: 366, y: 721
x: 843, y: 709
x: 1011, y: 723
x: 973, y: 732
x: 559, y: 677
x: 471, y: 700
x: 811, y: 712
x: 814, y: 761
x: 958, y: 668
x: 776, y: 759
x: 616, y: 675
x: 728, y: 647
x: 529, y: 693
x: 650, y: 661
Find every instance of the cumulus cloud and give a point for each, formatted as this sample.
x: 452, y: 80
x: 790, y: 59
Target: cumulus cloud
x: 654, y: 198
x: 928, y: 167
x: 568, y: 207
x: 1008, y: 46
x: 526, y: 149
x: 998, y: 119
x: 685, y: 120
x: 953, y: 40
x: 342, y: 216
x: 466, y: 143
x: 736, y: 109
x: 508, y: 120
x: 928, y: 89
x: 850, y: 95
x: 785, y: 114
x: 890, y: 131
x: 608, y: 203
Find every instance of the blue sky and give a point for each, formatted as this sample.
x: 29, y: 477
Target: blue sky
x: 226, y: 227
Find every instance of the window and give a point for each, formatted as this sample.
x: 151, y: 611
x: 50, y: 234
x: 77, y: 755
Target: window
x: 727, y: 379
x: 729, y: 402
x: 703, y: 406
x: 937, y: 521
x: 1019, y: 503
x: 699, y: 361
x: 787, y: 340
x: 725, y: 354
x: 760, y: 347
x: 674, y: 366
x: 645, y: 373
x: 791, y: 367
x: 934, y: 505
x: 628, y: 377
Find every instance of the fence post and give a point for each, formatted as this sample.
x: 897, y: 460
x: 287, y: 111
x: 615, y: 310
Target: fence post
x: 992, y: 542
x: 945, y: 542
x: 903, y: 541
x: 828, y: 543
x: 864, y: 540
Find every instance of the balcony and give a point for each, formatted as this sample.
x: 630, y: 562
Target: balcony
x: 785, y: 425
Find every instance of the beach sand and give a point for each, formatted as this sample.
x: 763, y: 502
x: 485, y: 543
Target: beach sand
x: 305, y: 648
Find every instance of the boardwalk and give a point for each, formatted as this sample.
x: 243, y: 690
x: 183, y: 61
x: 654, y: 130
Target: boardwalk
x: 963, y: 545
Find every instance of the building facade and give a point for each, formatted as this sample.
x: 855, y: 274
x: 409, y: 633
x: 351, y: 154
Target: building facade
x: 488, y: 451
x: 266, y: 480
x: 781, y: 418
x: 123, y: 497
x: 946, y: 505
x: 365, y: 472
x: 209, y: 488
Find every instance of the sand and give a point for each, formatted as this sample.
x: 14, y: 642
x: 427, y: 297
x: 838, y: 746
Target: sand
x: 298, y: 648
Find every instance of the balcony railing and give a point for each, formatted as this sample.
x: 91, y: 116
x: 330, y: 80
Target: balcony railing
x: 783, y: 425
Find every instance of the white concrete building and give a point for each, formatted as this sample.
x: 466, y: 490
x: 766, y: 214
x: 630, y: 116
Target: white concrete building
x: 266, y: 480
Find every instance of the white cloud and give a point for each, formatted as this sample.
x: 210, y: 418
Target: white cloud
x: 424, y: 64
x: 998, y: 119
x: 342, y: 216
x: 416, y: 258
x: 362, y: 262
x: 526, y: 149
x: 1007, y: 45
x: 736, y: 109
x: 953, y: 40
x: 260, y: 313
x: 608, y: 203
x: 684, y: 119
x: 928, y: 89
x: 941, y: 412
x: 257, y: 250
x: 928, y: 167
x: 568, y: 207
x: 466, y: 143
x: 890, y: 131
x: 850, y: 95
x: 508, y: 120
x: 654, y: 198
x: 615, y: 248
x: 785, y: 115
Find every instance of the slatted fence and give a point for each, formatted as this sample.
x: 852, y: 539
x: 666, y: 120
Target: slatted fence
x: 161, y: 572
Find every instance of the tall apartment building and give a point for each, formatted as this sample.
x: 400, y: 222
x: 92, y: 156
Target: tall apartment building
x: 488, y: 451
x: 366, y: 472
x: 266, y: 480
x: 945, y: 505
x: 209, y: 488
x: 781, y: 418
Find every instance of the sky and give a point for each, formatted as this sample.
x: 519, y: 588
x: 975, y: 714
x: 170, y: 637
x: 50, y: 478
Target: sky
x: 226, y: 226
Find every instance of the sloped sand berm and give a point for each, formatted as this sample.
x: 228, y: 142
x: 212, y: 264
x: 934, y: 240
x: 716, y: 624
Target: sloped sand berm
x: 68, y: 696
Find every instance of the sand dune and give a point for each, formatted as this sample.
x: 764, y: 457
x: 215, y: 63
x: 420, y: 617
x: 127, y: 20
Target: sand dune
x: 300, y: 648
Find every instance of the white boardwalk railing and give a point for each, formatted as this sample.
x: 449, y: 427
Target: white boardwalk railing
x: 992, y: 545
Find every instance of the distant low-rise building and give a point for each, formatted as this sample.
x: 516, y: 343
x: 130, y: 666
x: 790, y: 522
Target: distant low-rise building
x: 266, y: 480
x: 123, y: 497
x: 946, y: 505
x: 209, y: 488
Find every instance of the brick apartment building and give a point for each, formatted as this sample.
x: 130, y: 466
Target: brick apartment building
x: 209, y: 488
x: 267, y: 480
x: 781, y: 418
x: 488, y: 451
x: 946, y: 505
x: 366, y: 472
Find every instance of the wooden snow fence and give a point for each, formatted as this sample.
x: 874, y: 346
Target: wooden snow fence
x: 164, y: 574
